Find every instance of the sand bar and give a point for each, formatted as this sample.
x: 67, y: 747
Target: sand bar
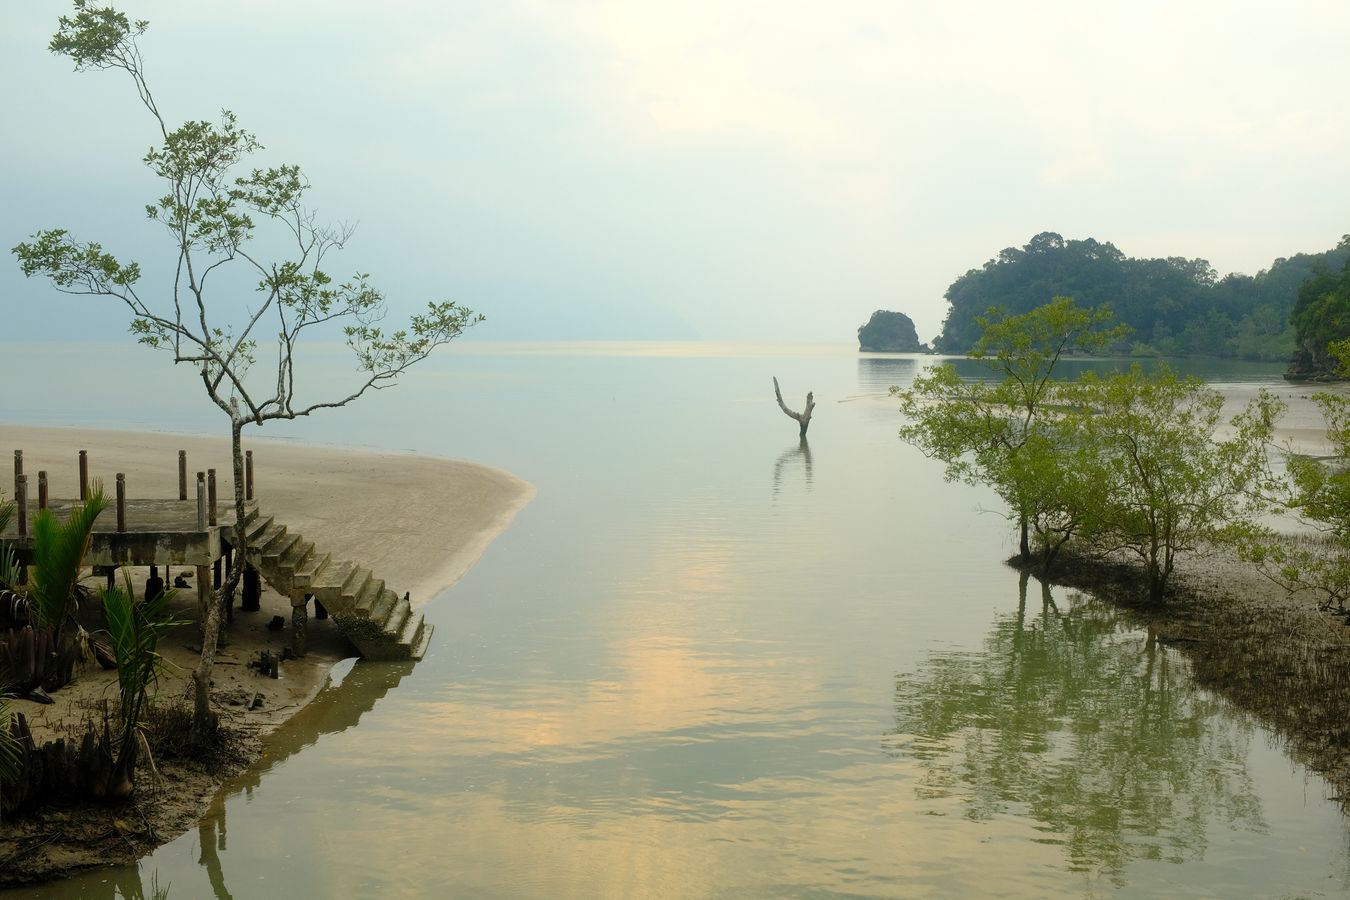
x: 422, y: 521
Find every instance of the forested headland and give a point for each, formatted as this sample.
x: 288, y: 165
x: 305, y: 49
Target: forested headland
x: 1173, y: 306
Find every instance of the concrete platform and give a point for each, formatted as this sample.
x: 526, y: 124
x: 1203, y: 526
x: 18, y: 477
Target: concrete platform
x: 158, y: 533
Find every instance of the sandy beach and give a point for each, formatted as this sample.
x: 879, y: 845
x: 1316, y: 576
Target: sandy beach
x: 421, y: 521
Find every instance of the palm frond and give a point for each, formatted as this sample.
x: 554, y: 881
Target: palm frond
x: 9, y: 567
x: 9, y: 748
x: 59, y: 549
x: 135, y: 630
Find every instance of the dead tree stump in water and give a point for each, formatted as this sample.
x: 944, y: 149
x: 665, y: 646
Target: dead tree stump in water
x: 804, y: 417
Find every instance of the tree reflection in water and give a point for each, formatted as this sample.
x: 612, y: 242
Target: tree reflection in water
x: 1077, y: 721
x: 801, y: 450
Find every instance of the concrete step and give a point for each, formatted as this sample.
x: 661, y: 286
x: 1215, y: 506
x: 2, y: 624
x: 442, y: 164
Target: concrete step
x: 398, y: 616
x: 305, y: 573
x: 279, y: 548
x: 332, y: 578
x: 270, y: 538
x: 256, y: 527
x: 369, y: 598
x: 354, y: 585
x: 300, y: 551
x: 420, y: 649
x: 383, y: 607
x: 411, y: 633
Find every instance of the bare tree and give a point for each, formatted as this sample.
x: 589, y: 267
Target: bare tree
x: 212, y: 208
x: 804, y: 417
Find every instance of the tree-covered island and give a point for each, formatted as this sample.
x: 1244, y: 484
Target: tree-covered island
x: 1173, y: 306
x: 889, y: 332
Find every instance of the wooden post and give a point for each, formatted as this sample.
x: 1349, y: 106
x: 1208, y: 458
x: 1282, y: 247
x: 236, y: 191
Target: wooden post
x: 121, y: 502
x: 250, y: 598
x: 18, y: 469
x: 211, y: 495
x: 201, y: 501
x: 84, y: 475
x: 42, y: 489
x: 21, y: 500
x: 182, y: 474
x: 154, y: 585
x: 248, y: 474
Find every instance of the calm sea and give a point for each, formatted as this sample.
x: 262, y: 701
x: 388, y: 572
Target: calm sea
x: 710, y: 660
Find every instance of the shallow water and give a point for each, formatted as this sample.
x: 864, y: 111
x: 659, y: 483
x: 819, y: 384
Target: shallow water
x: 711, y: 661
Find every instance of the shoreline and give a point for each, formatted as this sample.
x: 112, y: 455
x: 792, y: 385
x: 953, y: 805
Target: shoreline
x: 422, y: 521
x: 1273, y: 655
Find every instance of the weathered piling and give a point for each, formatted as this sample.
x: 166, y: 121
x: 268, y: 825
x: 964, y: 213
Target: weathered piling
x: 182, y: 474
x: 21, y: 501
x: 203, y: 572
x: 84, y: 475
x: 211, y: 496
x: 121, y: 503
x: 248, y: 474
x: 42, y: 489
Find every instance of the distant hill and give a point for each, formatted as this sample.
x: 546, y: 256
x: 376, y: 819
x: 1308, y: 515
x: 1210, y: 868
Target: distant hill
x: 889, y: 332
x: 1176, y: 306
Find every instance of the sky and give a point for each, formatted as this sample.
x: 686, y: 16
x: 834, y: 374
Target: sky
x: 722, y: 170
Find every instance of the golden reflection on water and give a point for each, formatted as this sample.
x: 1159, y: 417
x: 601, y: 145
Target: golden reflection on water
x: 852, y: 841
x: 1060, y: 745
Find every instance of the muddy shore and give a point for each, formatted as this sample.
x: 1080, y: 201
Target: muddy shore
x: 1276, y: 656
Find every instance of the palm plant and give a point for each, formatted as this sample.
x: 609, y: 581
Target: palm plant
x: 135, y: 629
x: 59, y: 549
x: 9, y: 560
x: 9, y: 748
x: 51, y: 599
x: 11, y: 751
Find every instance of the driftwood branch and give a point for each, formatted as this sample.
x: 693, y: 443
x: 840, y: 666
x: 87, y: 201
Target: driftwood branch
x: 804, y: 417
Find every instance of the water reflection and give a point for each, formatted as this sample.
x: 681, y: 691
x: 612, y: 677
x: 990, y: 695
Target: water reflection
x: 1213, y: 371
x: 354, y: 689
x: 801, y: 451
x: 1088, y: 727
x: 876, y: 374
x: 211, y: 839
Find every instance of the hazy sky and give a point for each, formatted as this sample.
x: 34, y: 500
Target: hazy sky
x: 722, y: 170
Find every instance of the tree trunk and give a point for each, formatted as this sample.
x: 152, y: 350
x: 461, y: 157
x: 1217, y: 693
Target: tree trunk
x: 804, y: 417
x: 1024, y: 542
x: 203, y: 719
